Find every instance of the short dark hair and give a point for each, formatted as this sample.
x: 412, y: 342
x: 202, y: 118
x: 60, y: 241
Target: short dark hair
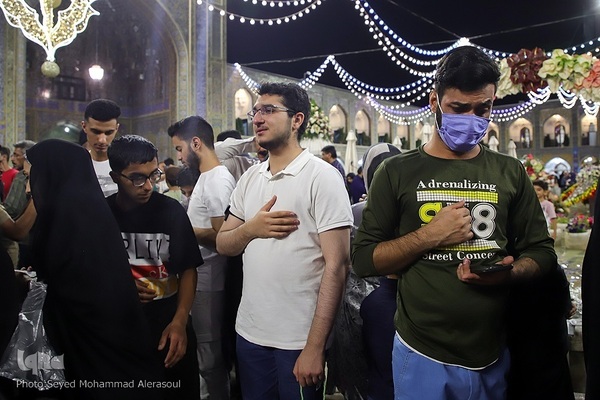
x: 102, y: 110
x: 541, y: 183
x: 82, y: 139
x: 24, y: 144
x: 168, y: 161
x: 228, y: 134
x: 292, y: 96
x: 172, y: 175
x: 359, y: 171
x: 467, y: 69
x: 330, y: 149
x: 187, y: 177
x: 130, y: 149
x: 4, y: 151
x: 192, y: 126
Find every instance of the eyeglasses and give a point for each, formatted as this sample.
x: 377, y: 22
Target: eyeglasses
x: 140, y: 180
x: 268, y: 110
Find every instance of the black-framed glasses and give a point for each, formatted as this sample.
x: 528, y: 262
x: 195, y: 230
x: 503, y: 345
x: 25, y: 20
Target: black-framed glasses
x: 140, y: 180
x: 268, y: 110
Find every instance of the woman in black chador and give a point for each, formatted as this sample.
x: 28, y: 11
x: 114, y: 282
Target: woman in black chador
x: 92, y: 313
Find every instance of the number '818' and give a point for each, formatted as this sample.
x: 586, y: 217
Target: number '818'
x: 483, y: 217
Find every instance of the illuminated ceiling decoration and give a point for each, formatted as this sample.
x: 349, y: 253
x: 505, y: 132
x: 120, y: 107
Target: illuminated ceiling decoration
x: 312, y: 5
x: 392, y: 113
x: 417, y: 61
x: 70, y: 22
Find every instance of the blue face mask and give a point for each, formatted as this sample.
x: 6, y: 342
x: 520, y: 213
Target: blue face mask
x: 462, y: 132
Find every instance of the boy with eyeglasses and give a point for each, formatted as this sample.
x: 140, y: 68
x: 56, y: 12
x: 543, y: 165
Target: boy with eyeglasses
x: 163, y: 255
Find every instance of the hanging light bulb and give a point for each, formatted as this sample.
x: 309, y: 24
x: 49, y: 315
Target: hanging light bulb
x: 96, y: 71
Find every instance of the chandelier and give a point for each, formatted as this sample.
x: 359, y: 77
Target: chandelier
x: 70, y: 22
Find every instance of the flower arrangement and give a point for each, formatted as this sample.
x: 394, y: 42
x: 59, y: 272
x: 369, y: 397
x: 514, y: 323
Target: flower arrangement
x: 590, y: 86
x: 525, y: 66
x: 566, y: 70
x: 532, y: 165
x: 530, y: 70
x: 580, y: 223
x: 584, y: 188
x: 505, y: 85
x: 318, y: 124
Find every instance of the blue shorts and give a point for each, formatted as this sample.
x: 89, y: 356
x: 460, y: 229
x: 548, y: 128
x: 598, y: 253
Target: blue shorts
x: 417, y: 378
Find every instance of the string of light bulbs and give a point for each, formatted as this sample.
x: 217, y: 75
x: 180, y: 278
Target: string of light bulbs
x: 312, y: 78
x: 512, y: 113
x: 539, y: 97
x: 262, y: 21
x: 493, y: 53
x: 279, y: 3
x: 567, y: 99
x: 377, y: 89
x: 395, y: 54
x: 589, y: 107
x: 250, y: 83
x: 418, y: 93
x: 400, y: 118
x: 358, y: 4
x: 354, y: 85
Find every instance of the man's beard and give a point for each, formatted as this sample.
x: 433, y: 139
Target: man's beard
x: 193, y: 161
x: 276, y: 142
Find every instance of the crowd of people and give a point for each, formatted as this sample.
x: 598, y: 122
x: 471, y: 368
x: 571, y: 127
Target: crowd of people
x: 178, y: 278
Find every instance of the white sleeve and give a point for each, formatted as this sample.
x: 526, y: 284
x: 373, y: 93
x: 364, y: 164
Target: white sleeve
x: 331, y: 204
x: 219, y: 192
x: 233, y: 147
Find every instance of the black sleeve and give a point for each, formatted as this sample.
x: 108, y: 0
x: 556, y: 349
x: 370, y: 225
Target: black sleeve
x: 183, y: 247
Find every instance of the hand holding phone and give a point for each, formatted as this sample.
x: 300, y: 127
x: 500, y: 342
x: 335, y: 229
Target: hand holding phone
x: 489, y: 268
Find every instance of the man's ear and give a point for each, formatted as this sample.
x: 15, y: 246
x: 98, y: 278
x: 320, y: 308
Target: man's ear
x: 433, y: 101
x: 297, y: 121
x: 196, y: 144
x: 83, y: 125
x: 114, y: 176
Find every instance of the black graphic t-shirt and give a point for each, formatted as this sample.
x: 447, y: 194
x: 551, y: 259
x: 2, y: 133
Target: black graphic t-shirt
x: 160, y: 242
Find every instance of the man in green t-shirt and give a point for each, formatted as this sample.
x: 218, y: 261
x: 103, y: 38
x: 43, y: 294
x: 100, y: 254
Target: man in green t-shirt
x: 434, y: 216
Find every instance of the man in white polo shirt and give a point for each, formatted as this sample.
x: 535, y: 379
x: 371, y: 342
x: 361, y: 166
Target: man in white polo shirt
x: 291, y: 218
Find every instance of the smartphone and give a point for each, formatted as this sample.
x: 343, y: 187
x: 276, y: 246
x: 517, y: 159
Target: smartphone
x: 489, y: 268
